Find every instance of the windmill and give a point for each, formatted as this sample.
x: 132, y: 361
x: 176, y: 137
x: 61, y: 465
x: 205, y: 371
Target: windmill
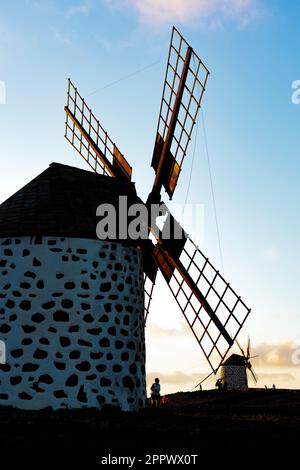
x: 213, y: 310
x: 234, y: 369
x: 73, y: 305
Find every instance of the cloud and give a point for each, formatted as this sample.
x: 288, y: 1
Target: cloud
x: 158, y: 331
x: 79, y: 9
x: 280, y: 379
x: 115, y: 43
x: 159, y: 12
x: 270, y: 253
x: 178, y: 378
x: 270, y: 355
x: 5, y: 35
x: 276, y: 355
x: 62, y: 38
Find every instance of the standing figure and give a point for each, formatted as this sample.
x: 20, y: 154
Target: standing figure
x: 155, y: 393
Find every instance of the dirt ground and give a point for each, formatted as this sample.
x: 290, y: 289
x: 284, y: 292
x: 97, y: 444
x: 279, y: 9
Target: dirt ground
x: 210, y: 424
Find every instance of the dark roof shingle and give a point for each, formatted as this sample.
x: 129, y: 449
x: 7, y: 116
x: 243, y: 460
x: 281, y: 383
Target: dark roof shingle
x: 61, y: 201
x: 235, y: 360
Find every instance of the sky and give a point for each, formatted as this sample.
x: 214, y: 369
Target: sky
x: 115, y: 51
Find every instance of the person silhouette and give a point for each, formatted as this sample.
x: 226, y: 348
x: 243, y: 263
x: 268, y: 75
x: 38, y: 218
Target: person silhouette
x: 155, y: 393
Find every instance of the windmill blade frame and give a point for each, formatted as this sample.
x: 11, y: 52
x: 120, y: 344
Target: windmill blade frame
x: 148, y: 291
x: 254, y: 376
x: 240, y: 348
x: 248, y: 347
x: 186, y: 75
x: 209, y: 304
x: 85, y: 133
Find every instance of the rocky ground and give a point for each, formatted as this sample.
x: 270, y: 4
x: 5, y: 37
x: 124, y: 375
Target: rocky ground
x: 212, y: 424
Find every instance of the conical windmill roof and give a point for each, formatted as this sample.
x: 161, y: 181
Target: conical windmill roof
x: 61, y: 201
x: 235, y: 360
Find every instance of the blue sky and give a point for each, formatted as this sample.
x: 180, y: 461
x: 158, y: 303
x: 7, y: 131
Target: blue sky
x: 251, y: 48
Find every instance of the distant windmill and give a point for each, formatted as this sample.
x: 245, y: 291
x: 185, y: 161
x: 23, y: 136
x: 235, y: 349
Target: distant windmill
x: 234, y: 369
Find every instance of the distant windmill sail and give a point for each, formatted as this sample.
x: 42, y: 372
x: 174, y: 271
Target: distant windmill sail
x: 247, y: 356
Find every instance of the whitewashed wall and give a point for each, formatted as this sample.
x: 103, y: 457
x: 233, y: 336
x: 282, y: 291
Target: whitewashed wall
x: 235, y: 376
x: 71, y: 315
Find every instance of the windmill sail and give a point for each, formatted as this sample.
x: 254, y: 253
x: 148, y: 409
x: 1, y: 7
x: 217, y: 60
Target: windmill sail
x: 148, y: 294
x: 212, y: 309
x: 247, y: 356
x: 184, y: 85
x: 87, y: 136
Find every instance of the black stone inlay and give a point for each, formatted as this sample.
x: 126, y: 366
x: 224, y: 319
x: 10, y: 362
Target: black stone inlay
x: 104, y: 343
x: 67, y: 303
x: 83, y: 366
x: 74, y: 354
x: 94, y: 331
x: 60, y: 394
x: 69, y: 285
x: 36, y: 262
x: 96, y: 355
x: 112, y: 331
x: 82, y: 342
x: 73, y: 329
x: 4, y: 328
x: 26, y: 341
x: 17, y: 352
x: 29, y: 367
x: 37, y: 318
x: 128, y: 382
x: 61, y: 316
x: 64, y: 341
x: 44, y: 341
x: 105, y: 286
x: 48, y: 305
x: 125, y: 356
x: 8, y: 252
x: 46, y: 378
x: 82, y: 395
x: 25, y: 305
x: 40, y: 354
x: 60, y: 365
x: 104, y: 382
x: 88, y: 318
x: 25, y: 396
x: 72, y: 381
x: 15, y: 380
x: 85, y: 306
